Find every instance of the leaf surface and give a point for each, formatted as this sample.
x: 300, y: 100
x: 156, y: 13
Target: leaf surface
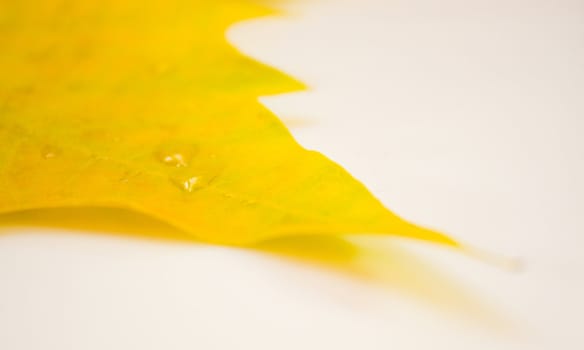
x: 143, y: 105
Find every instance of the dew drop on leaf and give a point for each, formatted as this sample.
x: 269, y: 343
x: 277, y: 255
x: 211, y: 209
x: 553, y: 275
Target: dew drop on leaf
x: 174, y: 159
x: 176, y: 156
x: 188, y: 184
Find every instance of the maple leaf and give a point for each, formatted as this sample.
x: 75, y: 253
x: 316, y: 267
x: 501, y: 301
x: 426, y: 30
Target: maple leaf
x: 143, y: 105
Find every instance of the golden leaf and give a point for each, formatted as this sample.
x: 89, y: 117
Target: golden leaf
x: 143, y: 105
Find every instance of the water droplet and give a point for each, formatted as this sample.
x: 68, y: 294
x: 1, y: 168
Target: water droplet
x: 176, y: 156
x: 188, y: 184
x: 175, y: 159
x: 49, y: 152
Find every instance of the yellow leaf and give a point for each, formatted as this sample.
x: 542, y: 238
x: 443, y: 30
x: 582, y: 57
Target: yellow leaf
x: 143, y: 105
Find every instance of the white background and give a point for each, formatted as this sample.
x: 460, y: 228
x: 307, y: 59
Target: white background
x: 463, y: 115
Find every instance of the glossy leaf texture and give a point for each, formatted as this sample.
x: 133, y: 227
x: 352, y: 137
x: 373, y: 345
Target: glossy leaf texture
x: 143, y: 105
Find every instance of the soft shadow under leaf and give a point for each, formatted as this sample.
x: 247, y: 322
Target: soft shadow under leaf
x: 383, y: 264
